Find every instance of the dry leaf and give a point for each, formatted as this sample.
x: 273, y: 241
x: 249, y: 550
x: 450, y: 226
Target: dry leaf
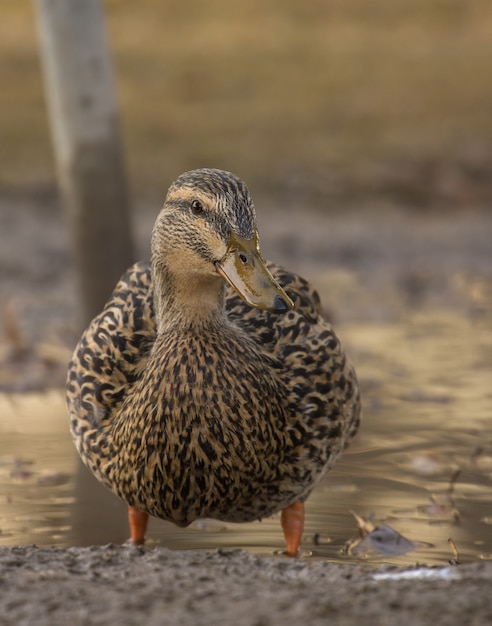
x: 383, y: 540
x: 365, y: 527
x: 378, y: 540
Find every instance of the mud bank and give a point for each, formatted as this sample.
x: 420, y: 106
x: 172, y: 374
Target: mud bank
x: 125, y: 585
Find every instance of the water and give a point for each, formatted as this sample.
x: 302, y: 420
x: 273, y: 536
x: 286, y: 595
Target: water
x: 427, y: 390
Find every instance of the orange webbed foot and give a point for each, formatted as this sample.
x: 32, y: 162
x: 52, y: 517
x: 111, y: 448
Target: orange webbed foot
x: 292, y: 520
x: 138, y: 525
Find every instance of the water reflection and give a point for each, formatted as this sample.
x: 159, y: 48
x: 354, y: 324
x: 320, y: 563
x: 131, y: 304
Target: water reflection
x: 428, y: 415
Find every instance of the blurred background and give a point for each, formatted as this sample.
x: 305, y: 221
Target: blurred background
x: 364, y: 132
x: 374, y: 118
x: 326, y: 101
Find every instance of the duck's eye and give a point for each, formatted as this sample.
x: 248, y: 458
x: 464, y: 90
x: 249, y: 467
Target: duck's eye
x: 196, y: 207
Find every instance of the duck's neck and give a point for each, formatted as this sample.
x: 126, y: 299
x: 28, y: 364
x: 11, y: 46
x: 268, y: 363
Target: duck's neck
x: 187, y: 301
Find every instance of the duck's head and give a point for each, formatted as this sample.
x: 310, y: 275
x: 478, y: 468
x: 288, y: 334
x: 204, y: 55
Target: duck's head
x: 206, y: 233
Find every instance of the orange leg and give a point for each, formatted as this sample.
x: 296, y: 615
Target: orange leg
x: 292, y: 520
x: 138, y: 525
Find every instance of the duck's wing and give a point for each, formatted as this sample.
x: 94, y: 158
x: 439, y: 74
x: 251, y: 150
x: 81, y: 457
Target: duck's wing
x: 323, y: 391
x: 112, y: 351
x: 268, y: 328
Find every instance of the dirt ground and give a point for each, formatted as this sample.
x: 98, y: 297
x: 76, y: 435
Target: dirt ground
x: 125, y: 585
x: 373, y: 264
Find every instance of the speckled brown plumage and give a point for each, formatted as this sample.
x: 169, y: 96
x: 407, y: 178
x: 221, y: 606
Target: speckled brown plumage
x: 234, y: 414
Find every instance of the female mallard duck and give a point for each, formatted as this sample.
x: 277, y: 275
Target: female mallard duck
x: 204, y: 388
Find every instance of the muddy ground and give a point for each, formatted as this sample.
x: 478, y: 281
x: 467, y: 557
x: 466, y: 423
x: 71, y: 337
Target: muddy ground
x: 126, y: 585
x: 376, y: 264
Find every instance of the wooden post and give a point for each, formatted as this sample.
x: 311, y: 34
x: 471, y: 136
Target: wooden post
x: 85, y: 129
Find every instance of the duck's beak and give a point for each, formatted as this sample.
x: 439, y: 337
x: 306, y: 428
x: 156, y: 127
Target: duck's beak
x: 244, y: 269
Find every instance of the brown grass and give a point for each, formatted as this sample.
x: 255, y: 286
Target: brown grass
x: 309, y: 99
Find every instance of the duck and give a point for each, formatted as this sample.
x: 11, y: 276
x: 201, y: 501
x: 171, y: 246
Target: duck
x: 210, y: 385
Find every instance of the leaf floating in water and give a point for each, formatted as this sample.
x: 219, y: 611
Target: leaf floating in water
x: 379, y: 540
x: 364, y: 526
x: 425, y: 464
x: 383, y: 540
x: 455, y: 560
x: 481, y: 460
x: 441, y: 512
x: 444, y: 512
x: 208, y: 525
x: 321, y: 540
x: 52, y: 479
x: 19, y: 470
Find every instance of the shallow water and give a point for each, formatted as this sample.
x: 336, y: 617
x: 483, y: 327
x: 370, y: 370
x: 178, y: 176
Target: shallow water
x: 427, y: 392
